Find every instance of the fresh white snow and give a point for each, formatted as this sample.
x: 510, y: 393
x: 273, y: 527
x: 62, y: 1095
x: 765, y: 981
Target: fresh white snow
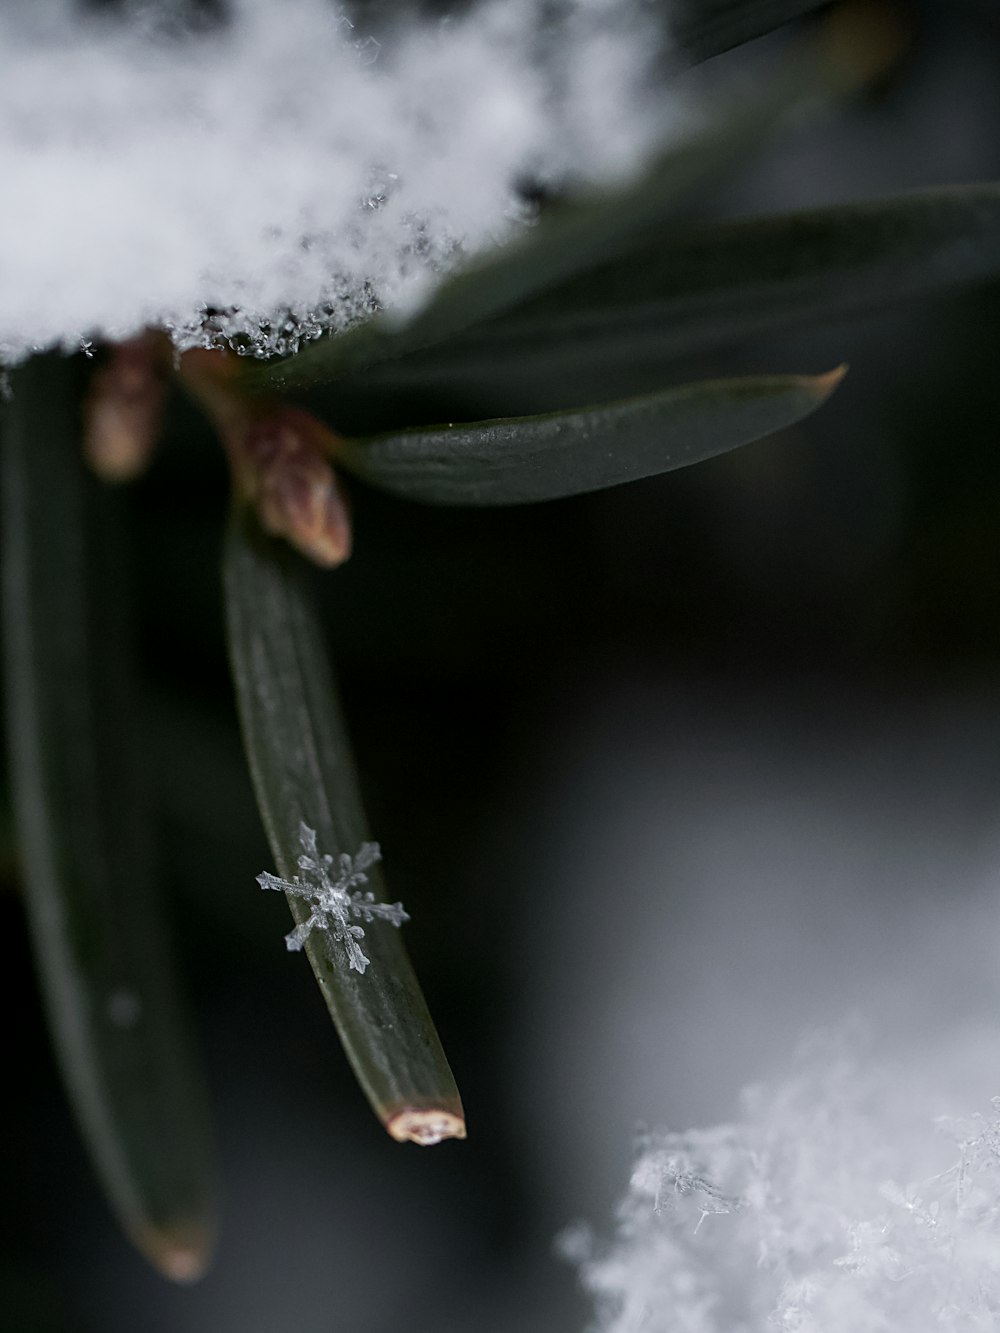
x: 287, y: 172
x: 834, y: 1204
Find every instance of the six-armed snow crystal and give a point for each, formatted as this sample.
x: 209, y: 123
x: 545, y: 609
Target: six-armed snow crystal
x: 327, y: 885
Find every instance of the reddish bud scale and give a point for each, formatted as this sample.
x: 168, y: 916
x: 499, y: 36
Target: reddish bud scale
x: 280, y: 459
x: 298, y: 493
x: 123, y: 411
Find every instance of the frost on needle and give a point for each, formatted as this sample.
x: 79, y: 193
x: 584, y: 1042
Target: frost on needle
x: 331, y: 885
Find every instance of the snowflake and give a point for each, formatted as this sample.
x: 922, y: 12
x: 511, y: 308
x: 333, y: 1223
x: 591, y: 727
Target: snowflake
x: 327, y: 886
x: 679, y: 1180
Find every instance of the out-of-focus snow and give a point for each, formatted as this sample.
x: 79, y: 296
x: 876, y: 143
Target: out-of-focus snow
x: 720, y: 870
x: 286, y: 169
x: 833, y: 1205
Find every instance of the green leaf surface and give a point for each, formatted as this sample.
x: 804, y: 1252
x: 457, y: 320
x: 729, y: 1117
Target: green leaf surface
x: 705, y: 28
x: 516, y: 460
x: 95, y: 920
x: 696, y: 288
x: 303, y: 773
x: 570, y: 237
x: 699, y: 288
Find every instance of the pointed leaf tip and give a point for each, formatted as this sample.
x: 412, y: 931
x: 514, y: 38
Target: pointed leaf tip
x: 521, y: 460
x: 182, y: 1253
x: 824, y: 385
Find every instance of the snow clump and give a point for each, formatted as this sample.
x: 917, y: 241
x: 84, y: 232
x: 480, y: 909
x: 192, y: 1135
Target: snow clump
x: 282, y: 172
x: 836, y: 1204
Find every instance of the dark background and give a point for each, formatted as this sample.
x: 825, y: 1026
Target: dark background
x: 662, y: 775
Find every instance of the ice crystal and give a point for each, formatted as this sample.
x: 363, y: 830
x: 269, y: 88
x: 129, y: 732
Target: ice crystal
x: 331, y: 886
x: 836, y: 1204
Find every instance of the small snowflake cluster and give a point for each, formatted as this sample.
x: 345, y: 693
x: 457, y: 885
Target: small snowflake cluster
x: 332, y: 888
x: 792, y: 1219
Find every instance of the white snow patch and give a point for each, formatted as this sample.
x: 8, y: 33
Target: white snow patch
x: 286, y: 172
x: 840, y: 1202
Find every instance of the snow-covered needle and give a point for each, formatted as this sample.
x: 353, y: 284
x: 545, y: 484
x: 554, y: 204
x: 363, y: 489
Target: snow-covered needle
x: 331, y: 885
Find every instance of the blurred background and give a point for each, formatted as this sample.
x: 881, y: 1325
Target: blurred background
x: 664, y: 776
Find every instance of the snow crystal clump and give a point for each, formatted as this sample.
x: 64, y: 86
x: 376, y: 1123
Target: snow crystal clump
x: 835, y: 1204
x: 284, y: 172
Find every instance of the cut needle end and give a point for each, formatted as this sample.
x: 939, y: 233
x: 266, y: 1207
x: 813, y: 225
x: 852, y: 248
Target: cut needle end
x: 426, y: 1127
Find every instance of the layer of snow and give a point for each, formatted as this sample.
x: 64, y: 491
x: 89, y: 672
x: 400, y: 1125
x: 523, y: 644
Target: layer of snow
x: 286, y: 169
x: 837, y: 1203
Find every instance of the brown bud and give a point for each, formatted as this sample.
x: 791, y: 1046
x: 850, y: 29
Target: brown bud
x: 280, y: 458
x: 123, y: 412
x: 297, y: 491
